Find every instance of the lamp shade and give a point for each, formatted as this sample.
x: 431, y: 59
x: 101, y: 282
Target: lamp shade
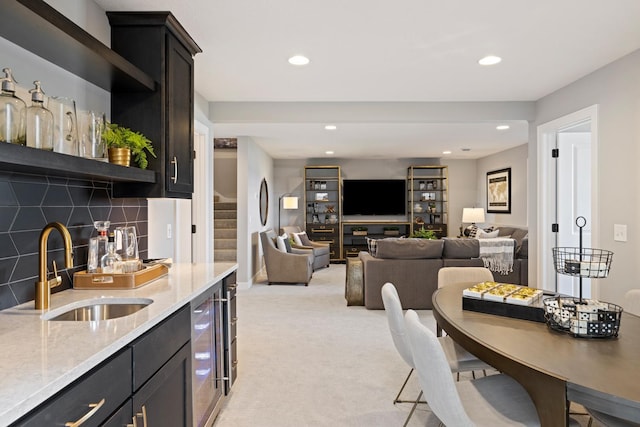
x: 473, y: 215
x: 289, y: 202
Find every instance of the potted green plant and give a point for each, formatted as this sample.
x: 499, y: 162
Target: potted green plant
x: 423, y: 233
x: 119, y: 139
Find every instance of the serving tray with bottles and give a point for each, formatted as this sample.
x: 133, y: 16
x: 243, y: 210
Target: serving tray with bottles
x: 148, y: 273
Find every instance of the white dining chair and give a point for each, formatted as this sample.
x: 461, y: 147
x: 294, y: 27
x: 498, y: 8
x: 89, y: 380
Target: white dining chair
x: 494, y: 400
x: 458, y: 359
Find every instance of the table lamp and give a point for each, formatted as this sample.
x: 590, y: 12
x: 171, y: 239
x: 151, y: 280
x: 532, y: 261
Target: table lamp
x: 471, y: 215
x: 286, y: 201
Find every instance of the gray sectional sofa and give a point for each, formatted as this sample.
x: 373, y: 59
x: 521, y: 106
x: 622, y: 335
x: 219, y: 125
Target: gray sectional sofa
x: 412, y: 265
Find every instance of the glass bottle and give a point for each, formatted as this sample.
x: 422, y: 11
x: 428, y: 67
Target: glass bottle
x: 39, y: 121
x: 98, y: 246
x: 13, y: 112
x: 111, y: 262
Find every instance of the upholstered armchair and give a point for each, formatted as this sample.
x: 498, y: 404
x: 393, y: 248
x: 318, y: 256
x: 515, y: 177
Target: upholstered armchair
x: 321, y: 251
x: 285, y: 267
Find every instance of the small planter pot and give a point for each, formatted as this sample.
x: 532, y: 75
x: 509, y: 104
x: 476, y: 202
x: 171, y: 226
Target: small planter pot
x: 120, y: 156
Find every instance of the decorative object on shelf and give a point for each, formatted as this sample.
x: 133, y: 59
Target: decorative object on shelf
x: 359, y: 231
x: 333, y: 219
x: 422, y: 185
x: 39, y: 121
x: 264, y: 202
x: 13, y: 120
x: 322, y: 197
x: 499, y: 191
x: 330, y: 209
x: 120, y: 137
x: 577, y: 316
x: 473, y: 216
x: 418, y: 220
x: 391, y: 231
x: 417, y: 208
x: 423, y: 233
x: 287, y: 202
x: 90, y: 127
x: 65, y: 125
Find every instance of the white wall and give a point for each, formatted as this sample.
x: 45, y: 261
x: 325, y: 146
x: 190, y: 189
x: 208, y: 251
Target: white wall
x: 516, y: 159
x: 253, y: 165
x: 616, y: 90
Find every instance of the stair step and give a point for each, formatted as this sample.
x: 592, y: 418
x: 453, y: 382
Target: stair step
x: 225, y: 205
x: 225, y: 214
x: 224, y: 244
x: 225, y: 233
x: 225, y: 223
x: 225, y: 255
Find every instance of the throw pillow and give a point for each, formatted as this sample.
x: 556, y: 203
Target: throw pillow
x: 296, y: 239
x: 280, y: 243
x: 305, y: 239
x: 372, y: 244
x: 484, y: 235
x: 473, y: 231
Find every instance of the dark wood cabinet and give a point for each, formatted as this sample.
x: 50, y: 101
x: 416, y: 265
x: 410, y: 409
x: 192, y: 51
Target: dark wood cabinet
x: 157, y: 44
x: 150, y: 379
x: 165, y: 400
x: 95, y: 396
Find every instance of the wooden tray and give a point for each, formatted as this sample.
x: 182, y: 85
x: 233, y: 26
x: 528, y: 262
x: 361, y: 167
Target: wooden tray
x: 84, y: 280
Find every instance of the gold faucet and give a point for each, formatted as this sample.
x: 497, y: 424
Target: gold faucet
x: 44, y: 285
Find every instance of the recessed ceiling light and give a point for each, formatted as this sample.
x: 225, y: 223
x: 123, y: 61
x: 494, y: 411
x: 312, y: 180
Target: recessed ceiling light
x: 331, y: 127
x: 502, y: 127
x: 446, y: 152
x: 328, y: 152
x: 298, y: 60
x: 490, y: 60
x: 465, y: 149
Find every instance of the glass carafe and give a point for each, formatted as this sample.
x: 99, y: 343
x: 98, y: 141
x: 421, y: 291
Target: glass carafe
x: 39, y: 121
x: 13, y: 111
x: 98, y: 246
x: 65, y: 125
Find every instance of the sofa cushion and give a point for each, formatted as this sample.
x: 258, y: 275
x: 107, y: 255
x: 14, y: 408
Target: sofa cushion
x: 412, y: 248
x: 523, y: 251
x: 372, y: 245
x: 461, y: 248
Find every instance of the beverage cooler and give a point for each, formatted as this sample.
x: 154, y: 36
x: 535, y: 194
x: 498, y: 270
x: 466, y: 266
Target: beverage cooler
x: 207, y: 342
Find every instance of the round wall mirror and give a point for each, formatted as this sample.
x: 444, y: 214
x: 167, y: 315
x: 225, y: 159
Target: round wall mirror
x: 264, y: 201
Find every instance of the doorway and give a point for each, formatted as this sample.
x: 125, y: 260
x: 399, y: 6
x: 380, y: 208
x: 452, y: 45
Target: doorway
x: 567, y: 171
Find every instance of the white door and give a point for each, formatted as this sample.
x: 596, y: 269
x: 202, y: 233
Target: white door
x: 574, y: 199
x: 565, y: 191
x: 202, y: 199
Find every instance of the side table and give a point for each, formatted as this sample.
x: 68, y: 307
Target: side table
x: 354, y: 286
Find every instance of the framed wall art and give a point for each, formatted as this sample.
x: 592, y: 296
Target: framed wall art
x: 499, y: 191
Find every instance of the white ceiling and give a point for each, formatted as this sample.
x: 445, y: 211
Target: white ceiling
x: 418, y: 51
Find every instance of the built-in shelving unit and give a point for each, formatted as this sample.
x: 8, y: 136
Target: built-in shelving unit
x: 42, y: 30
x: 17, y: 158
x: 323, y: 207
x: 428, y: 198
x: 355, y: 233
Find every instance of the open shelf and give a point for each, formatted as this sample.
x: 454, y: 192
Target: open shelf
x: 42, y: 30
x: 32, y: 160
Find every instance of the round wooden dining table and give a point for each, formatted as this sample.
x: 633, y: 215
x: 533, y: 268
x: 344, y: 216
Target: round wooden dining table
x: 554, y: 367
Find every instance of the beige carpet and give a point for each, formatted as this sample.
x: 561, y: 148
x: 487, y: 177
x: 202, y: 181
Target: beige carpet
x: 306, y: 359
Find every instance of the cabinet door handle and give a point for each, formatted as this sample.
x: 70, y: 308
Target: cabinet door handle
x: 142, y: 414
x: 174, y: 162
x: 134, y: 422
x: 95, y: 407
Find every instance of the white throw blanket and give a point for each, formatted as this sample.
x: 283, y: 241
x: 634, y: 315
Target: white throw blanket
x: 497, y: 254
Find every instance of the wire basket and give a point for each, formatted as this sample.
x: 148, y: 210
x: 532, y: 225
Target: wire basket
x: 582, y: 262
x: 582, y: 318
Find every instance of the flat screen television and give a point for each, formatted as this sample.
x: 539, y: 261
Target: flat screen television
x: 374, y: 197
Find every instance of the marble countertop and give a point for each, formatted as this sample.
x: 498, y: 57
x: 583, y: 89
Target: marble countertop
x: 38, y: 358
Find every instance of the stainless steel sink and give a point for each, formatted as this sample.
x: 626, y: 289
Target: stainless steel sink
x: 98, y: 309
